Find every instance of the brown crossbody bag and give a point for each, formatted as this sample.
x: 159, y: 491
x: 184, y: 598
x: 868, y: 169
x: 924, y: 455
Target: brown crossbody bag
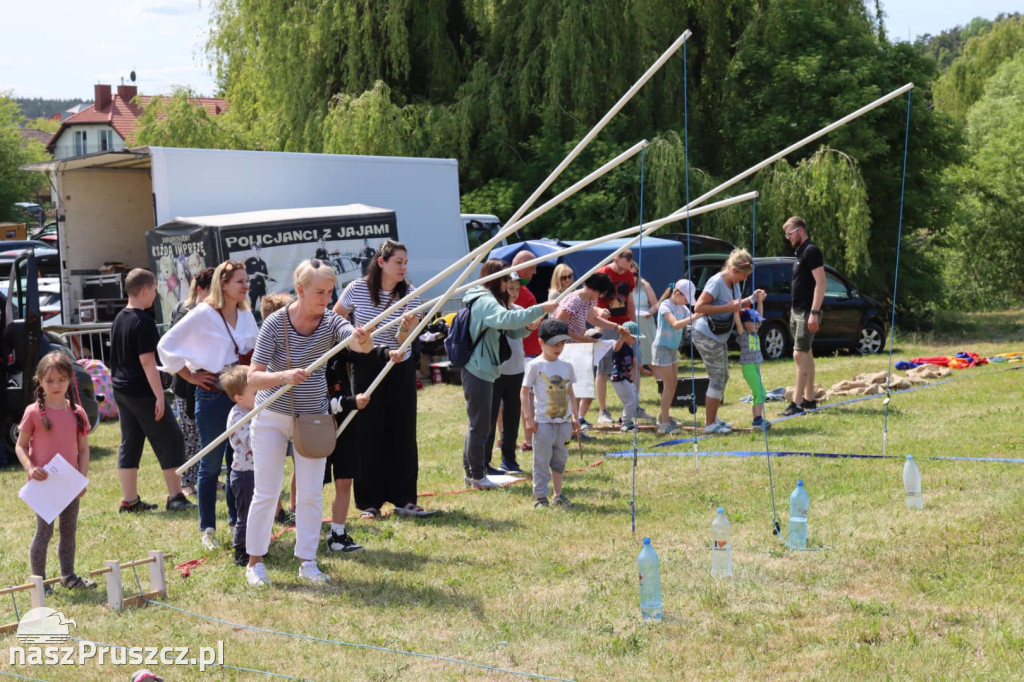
x: 313, y: 434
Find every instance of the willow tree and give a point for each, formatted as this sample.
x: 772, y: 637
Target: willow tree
x: 282, y: 65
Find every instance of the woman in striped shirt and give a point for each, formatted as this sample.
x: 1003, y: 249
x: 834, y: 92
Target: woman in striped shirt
x: 388, y: 458
x: 312, y: 330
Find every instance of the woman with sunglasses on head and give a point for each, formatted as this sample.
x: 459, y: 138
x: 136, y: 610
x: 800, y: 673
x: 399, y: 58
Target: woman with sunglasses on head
x: 490, y: 319
x: 387, y: 467
x: 561, y: 279
x: 290, y: 340
x: 716, y: 304
x: 217, y: 334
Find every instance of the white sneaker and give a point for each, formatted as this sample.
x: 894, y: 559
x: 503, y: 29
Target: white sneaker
x: 605, y: 417
x: 667, y: 427
x: 717, y: 427
x: 641, y: 413
x: 722, y: 422
x: 256, y: 575
x: 309, y: 572
x: 208, y: 537
x: 484, y: 484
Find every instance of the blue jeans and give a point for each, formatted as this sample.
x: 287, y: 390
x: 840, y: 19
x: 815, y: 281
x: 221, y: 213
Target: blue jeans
x: 212, y: 408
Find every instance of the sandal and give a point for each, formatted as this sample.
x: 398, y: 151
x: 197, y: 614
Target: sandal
x: 412, y: 509
x: 370, y: 514
x: 74, y: 582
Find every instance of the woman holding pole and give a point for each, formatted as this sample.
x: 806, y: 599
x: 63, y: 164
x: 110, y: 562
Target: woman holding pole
x: 489, y: 317
x: 388, y: 458
x: 312, y: 330
x: 716, y: 304
x: 218, y: 333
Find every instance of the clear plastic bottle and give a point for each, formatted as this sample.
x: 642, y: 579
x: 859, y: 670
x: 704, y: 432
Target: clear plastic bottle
x: 799, y: 502
x: 912, y: 484
x: 721, y: 546
x: 650, y: 582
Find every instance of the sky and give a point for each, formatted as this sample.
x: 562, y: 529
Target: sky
x: 63, y: 47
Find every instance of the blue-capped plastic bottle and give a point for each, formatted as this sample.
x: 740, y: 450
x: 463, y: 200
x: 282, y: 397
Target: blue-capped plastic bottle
x: 799, y: 502
x: 912, y: 484
x: 650, y: 582
x: 721, y: 546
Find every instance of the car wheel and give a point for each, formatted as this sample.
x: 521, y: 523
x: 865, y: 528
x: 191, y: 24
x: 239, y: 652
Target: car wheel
x: 871, y: 340
x: 774, y: 342
x: 9, y: 436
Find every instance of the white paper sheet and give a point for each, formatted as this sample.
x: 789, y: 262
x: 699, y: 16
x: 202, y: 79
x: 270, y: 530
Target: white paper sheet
x: 50, y: 497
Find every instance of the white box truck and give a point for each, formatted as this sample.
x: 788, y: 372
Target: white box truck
x: 108, y: 201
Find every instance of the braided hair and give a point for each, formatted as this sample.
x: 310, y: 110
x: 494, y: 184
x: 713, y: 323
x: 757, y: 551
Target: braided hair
x: 60, y: 363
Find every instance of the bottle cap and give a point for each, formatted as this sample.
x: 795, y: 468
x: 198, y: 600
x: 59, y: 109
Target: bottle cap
x: 800, y: 482
x: 910, y: 457
x: 721, y: 510
x: 647, y: 541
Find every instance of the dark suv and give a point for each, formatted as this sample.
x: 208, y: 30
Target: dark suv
x: 849, y: 319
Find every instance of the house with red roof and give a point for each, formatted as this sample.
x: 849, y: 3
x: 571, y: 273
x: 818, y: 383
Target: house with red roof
x: 111, y: 121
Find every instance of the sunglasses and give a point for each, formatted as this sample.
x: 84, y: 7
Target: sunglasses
x: 567, y: 278
x: 232, y: 265
x: 792, y: 230
x: 315, y: 263
x: 627, y: 256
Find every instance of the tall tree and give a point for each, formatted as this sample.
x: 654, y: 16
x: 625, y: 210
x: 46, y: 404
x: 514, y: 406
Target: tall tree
x: 963, y: 84
x: 802, y: 64
x: 986, y: 241
x: 16, y: 185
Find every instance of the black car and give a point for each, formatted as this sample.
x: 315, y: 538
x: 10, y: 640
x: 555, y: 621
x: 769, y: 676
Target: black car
x: 22, y: 343
x: 849, y: 319
x: 699, y: 244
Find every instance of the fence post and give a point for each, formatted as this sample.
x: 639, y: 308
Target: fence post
x: 157, y: 577
x: 37, y: 592
x: 115, y: 597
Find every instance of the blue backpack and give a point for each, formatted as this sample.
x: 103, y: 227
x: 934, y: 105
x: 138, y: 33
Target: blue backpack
x: 458, y: 344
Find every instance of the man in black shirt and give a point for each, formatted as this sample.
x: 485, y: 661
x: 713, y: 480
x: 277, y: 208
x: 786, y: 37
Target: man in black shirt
x: 805, y: 318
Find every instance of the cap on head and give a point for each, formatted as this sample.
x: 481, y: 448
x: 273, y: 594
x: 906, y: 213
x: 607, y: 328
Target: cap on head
x: 686, y: 288
x: 553, y: 332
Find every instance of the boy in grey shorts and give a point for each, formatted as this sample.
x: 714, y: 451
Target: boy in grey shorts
x: 549, y: 410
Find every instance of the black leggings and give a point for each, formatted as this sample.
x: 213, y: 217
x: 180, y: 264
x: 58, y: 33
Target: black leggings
x: 505, y: 399
x: 65, y: 546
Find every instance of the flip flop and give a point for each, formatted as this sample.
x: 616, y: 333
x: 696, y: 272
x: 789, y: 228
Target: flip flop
x: 370, y: 514
x: 414, y: 510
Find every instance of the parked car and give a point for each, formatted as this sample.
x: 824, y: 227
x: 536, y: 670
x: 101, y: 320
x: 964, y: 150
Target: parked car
x: 34, y: 213
x: 47, y: 234
x: 850, y: 319
x: 10, y: 250
x: 23, y: 342
x: 700, y: 244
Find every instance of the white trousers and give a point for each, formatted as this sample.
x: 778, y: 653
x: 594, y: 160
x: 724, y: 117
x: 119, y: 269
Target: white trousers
x: 270, y: 433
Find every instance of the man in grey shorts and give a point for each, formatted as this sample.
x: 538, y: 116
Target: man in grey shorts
x: 805, y: 318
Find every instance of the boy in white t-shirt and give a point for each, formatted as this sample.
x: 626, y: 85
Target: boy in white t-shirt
x: 549, y: 410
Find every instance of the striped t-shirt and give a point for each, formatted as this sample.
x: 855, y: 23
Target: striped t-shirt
x: 356, y: 297
x: 311, y: 394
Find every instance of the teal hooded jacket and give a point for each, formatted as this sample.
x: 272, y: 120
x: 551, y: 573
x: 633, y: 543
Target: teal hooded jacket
x: 488, y: 313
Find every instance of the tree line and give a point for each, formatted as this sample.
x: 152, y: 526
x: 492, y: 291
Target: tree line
x: 508, y: 87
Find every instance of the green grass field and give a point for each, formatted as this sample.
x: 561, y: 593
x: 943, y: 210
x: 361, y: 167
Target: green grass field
x: 934, y: 594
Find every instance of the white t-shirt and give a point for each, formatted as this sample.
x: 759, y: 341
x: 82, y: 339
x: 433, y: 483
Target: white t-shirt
x: 550, y: 381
